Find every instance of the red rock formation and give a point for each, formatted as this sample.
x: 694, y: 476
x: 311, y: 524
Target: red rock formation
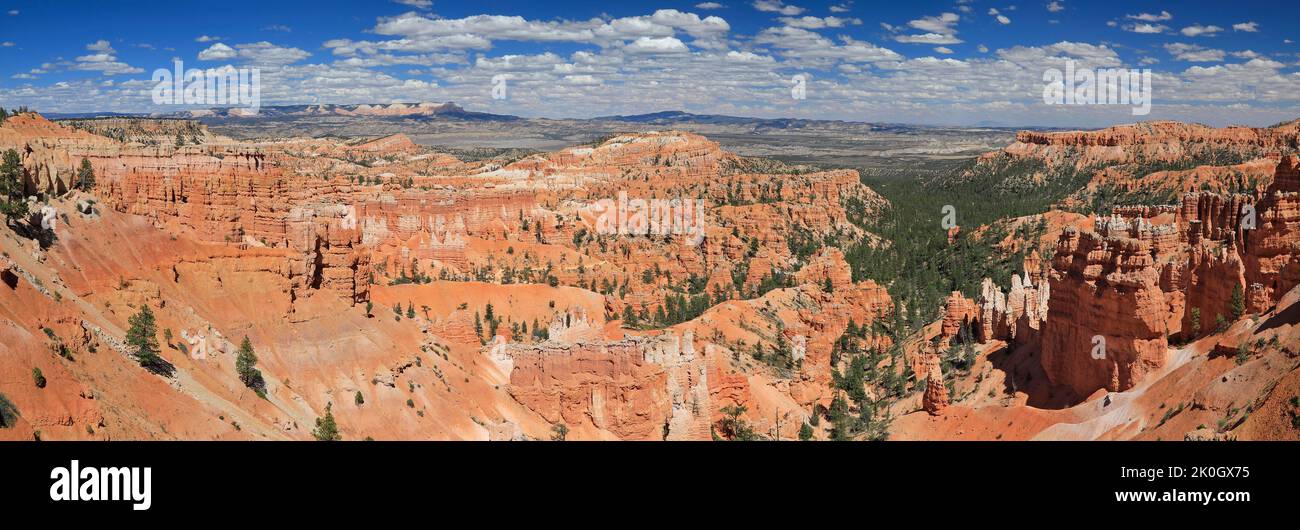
x: 935, y: 399
x: 1107, y: 288
x: 1169, y: 135
x: 1134, y: 282
x: 50, y: 153
x: 611, y: 390
x: 1211, y: 277
x: 828, y: 264
x: 959, y: 312
x: 1273, y: 248
x: 636, y: 389
x: 257, y: 227
x: 1015, y: 316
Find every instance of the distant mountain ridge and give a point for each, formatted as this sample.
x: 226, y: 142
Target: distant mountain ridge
x: 392, y: 110
x: 452, y: 111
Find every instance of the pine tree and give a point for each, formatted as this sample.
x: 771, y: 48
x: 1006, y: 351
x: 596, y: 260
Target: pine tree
x: 841, y: 428
x: 246, y: 366
x: 410, y: 311
x: 326, y: 429
x: 12, y: 201
x: 782, y: 350
x: 1238, y: 302
x: 805, y: 432
x: 85, y: 176
x: 143, y: 338
x: 359, y: 399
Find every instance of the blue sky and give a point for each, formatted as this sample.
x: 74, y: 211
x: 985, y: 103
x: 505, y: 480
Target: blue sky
x: 951, y: 62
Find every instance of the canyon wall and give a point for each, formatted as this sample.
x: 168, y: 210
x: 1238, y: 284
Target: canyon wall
x: 1160, y: 273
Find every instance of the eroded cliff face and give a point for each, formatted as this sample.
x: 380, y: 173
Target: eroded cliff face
x: 1154, y: 273
x: 1146, y: 298
x: 154, y: 132
x: 241, y: 199
x: 634, y: 389
x: 1015, y: 316
x: 1272, y: 258
x: 1159, y: 159
x: 1148, y: 272
x: 49, y: 152
x: 1155, y: 140
x: 1103, y: 289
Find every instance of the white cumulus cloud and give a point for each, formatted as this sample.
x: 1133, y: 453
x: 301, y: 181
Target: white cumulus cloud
x: 1197, y: 30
